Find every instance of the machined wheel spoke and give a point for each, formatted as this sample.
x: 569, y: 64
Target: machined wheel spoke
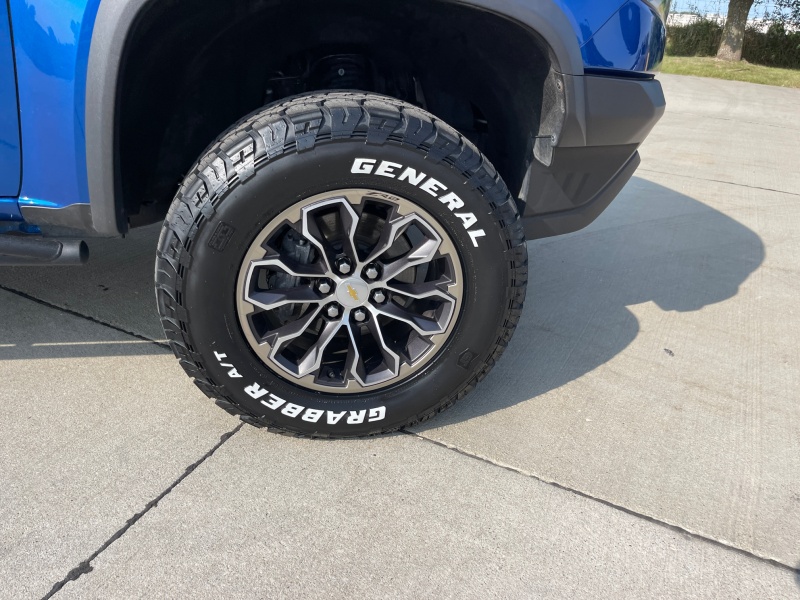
x: 349, y: 220
x: 422, y: 324
x: 422, y: 252
x: 277, y: 263
x: 342, y: 325
x: 312, y: 360
x: 394, y: 229
x: 390, y: 358
x: 272, y: 299
x: 419, y: 255
x: 355, y: 362
x: 420, y: 291
x: 278, y: 337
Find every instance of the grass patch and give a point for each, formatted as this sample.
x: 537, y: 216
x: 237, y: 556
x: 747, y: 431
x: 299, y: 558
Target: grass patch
x: 720, y: 69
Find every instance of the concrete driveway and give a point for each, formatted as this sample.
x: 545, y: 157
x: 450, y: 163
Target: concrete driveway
x: 641, y: 437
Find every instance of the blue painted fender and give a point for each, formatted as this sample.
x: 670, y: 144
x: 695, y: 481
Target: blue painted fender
x: 68, y: 54
x: 10, y: 161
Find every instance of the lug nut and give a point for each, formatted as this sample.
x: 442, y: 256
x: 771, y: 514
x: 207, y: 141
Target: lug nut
x: 360, y: 315
x: 344, y: 266
x: 372, y: 272
x: 379, y: 296
x: 333, y: 311
x: 324, y: 287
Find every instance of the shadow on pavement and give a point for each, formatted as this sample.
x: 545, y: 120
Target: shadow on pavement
x: 652, y: 245
x: 51, y: 309
x: 34, y: 331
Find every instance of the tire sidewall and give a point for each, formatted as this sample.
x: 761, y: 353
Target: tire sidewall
x: 246, y: 208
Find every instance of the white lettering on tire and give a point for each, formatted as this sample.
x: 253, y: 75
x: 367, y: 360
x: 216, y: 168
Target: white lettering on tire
x: 433, y: 187
x: 363, y: 166
x: 255, y: 391
x: 453, y: 201
x: 356, y: 417
x: 233, y: 373
x: 313, y: 415
x: 334, y: 417
x: 411, y: 176
x: 293, y: 411
x: 387, y: 169
x: 367, y: 166
x: 274, y: 402
x: 377, y: 414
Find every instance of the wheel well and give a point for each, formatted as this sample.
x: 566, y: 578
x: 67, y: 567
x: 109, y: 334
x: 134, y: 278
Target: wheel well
x: 191, y: 68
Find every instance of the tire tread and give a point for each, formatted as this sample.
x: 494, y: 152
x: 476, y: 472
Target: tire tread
x: 297, y: 125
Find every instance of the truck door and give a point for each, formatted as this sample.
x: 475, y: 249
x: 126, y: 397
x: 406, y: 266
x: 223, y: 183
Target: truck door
x: 10, y: 160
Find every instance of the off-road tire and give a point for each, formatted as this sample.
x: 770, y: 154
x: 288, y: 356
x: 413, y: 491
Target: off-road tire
x: 295, y: 149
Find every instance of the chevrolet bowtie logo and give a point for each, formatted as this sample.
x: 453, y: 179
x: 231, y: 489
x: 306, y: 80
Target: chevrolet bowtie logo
x: 353, y: 293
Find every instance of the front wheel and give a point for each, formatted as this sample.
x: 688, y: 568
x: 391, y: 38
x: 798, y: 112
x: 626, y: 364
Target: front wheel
x: 340, y: 265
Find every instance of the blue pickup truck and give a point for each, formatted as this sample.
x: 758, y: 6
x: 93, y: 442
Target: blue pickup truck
x: 346, y: 186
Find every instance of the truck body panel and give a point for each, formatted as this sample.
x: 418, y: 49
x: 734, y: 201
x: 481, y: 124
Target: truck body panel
x: 51, y: 42
x: 63, y: 171
x: 10, y: 152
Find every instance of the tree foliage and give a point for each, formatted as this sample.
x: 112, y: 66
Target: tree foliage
x: 786, y: 12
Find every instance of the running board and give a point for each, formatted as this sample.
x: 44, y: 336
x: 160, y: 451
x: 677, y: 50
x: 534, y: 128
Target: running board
x: 29, y: 251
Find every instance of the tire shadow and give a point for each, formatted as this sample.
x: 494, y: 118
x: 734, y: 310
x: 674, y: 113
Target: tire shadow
x: 115, y: 288
x: 652, y: 245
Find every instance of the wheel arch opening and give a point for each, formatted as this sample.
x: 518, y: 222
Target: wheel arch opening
x: 190, y: 69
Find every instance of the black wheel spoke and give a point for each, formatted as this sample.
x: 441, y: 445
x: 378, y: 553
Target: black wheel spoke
x: 272, y: 299
x: 390, y: 365
x: 421, y: 323
x: 292, y: 330
x: 278, y: 263
x: 312, y: 360
x: 371, y: 303
x: 431, y: 289
x: 347, y: 220
x: 423, y: 251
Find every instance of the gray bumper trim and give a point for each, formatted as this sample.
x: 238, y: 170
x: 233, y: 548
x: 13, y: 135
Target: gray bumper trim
x: 568, y: 221
x: 585, y: 176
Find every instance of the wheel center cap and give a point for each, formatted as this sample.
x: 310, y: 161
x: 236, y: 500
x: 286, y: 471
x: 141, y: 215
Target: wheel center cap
x: 352, y: 293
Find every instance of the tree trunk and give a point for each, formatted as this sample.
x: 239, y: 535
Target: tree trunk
x: 733, y: 33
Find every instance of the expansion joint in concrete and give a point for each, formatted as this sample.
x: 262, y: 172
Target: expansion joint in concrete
x: 675, y: 528
x: 86, y: 566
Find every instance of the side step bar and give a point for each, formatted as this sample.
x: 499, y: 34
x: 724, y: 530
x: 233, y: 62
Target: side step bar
x: 25, y: 251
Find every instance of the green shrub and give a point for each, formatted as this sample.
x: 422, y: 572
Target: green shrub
x: 701, y: 38
x: 775, y: 48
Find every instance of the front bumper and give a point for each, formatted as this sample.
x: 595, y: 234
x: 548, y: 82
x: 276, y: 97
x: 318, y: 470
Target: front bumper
x: 581, y: 181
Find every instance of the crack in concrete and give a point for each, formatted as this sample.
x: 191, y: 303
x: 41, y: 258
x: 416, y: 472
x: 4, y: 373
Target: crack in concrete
x: 664, y: 524
x: 743, y: 185
x: 82, y: 316
x: 86, y: 566
x: 738, y: 121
